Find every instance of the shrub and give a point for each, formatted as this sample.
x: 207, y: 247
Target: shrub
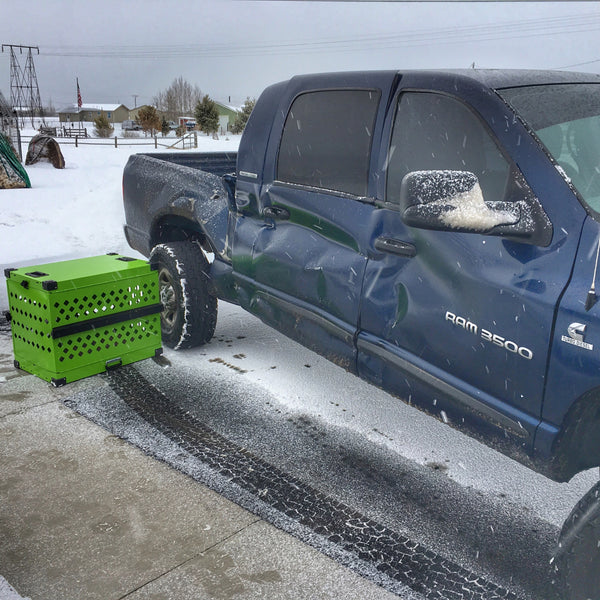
x: 242, y: 116
x: 165, y: 128
x: 148, y: 119
x: 102, y: 127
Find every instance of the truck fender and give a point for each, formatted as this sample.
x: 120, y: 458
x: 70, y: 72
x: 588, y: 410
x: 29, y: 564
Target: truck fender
x: 577, y: 445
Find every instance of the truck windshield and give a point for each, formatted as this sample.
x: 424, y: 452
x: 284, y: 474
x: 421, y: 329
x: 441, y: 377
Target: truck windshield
x: 566, y: 118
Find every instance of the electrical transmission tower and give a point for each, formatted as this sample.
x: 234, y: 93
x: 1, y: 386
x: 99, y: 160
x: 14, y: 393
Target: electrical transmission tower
x: 24, y: 89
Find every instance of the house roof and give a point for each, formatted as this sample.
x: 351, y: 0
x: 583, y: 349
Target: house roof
x: 87, y: 107
x: 141, y: 106
x: 229, y: 106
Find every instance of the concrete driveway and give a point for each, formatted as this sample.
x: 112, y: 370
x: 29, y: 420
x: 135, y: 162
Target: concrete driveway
x: 83, y: 514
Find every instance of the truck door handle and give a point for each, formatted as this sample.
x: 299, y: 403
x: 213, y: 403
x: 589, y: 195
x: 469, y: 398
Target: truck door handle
x: 394, y: 246
x: 276, y: 212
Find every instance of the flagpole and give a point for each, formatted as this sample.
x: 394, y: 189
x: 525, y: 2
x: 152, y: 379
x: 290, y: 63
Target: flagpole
x: 79, y: 102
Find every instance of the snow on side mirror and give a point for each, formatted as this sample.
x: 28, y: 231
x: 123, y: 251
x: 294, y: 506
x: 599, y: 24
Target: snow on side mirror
x: 453, y: 201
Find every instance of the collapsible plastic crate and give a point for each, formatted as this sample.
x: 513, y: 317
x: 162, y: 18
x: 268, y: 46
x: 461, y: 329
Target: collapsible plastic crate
x: 76, y: 318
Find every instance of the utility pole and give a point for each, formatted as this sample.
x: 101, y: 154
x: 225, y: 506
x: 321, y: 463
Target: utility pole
x: 135, y: 97
x: 24, y: 88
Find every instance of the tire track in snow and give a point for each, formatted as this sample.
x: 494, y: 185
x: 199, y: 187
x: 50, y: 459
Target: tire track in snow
x: 364, y: 545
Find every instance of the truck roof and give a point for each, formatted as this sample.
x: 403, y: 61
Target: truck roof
x: 504, y: 78
x: 491, y: 78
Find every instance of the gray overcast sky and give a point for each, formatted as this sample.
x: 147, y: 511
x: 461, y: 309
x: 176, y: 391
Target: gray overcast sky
x: 232, y: 48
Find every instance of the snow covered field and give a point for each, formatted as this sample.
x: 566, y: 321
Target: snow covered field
x: 77, y: 212
x: 74, y: 212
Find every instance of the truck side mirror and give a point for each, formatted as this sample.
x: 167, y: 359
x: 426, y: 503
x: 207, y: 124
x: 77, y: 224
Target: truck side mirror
x: 453, y: 201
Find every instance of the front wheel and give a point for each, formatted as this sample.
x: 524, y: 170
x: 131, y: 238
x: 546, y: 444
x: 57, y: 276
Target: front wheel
x: 189, y: 314
x: 577, y: 560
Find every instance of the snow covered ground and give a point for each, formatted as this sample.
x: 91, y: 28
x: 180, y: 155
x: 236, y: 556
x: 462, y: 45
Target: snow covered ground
x: 74, y: 212
x: 77, y: 212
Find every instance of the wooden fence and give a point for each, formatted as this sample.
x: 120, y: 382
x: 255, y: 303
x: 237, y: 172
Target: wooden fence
x: 188, y: 141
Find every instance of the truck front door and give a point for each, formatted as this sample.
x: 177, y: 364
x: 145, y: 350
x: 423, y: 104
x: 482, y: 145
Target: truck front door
x: 468, y: 316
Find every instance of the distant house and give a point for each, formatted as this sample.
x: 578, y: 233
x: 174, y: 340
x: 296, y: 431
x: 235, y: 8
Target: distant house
x: 188, y: 122
x: 115, y: 113
x: 134, y: 112
x: 227, y: 114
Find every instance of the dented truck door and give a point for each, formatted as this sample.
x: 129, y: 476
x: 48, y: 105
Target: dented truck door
x: 309, y: 253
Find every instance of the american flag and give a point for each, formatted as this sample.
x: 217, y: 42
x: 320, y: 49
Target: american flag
x: 79, y: 102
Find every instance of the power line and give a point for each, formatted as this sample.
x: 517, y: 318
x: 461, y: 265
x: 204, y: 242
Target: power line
x: 581, y: 64
x: 540, y: 27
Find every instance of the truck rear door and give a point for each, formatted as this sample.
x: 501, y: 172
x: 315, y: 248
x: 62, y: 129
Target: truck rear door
x: 300, y: 250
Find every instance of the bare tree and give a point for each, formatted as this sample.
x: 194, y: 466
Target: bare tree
x: 179, y: 99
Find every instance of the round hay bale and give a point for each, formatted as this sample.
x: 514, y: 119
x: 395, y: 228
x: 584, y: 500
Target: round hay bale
x: 45, y: 147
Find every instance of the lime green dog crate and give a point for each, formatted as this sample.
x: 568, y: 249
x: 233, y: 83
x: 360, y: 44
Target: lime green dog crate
x: 76, y: 318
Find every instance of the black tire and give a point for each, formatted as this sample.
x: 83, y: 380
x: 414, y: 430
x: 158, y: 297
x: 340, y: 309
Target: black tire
x: 577, y: 559
x: 189, y: 313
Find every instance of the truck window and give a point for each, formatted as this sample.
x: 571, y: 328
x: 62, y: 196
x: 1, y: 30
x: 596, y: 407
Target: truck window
x: 566, y: 118
x: 326, y: 140
x: 436, y: 132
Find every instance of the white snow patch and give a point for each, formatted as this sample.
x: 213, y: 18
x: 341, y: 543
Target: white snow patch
x: 7, y: 592
x: 343, y: 400
x: 470, y: 210
x: 563, y: 173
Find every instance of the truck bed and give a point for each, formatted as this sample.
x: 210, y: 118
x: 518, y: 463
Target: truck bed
x: 218, y: 163
x: 173, y: 189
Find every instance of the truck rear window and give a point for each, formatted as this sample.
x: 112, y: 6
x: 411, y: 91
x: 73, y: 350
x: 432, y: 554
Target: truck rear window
x: 326, y: 140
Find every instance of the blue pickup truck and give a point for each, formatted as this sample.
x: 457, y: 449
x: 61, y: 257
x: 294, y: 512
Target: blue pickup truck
x: 436, y: 233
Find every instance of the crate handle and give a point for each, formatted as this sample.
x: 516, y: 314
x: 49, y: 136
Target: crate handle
x: 113, y: 363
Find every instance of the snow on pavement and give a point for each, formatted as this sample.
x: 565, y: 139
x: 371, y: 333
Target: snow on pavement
x: 7, y: 592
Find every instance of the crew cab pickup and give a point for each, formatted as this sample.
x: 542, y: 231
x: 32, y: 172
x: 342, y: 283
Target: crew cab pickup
x: 436, y: 233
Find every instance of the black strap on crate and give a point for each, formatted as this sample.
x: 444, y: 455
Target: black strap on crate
x: 105, y: 321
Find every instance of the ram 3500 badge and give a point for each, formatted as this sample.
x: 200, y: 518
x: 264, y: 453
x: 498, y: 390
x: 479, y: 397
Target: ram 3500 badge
x: 488, y: 336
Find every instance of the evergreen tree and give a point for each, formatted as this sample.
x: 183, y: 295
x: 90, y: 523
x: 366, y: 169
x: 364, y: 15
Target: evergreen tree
x: 207, y: 115
x: 164, y: 127
x: 148, y: 119
x: 242, y: 116
x: 102, y: 126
